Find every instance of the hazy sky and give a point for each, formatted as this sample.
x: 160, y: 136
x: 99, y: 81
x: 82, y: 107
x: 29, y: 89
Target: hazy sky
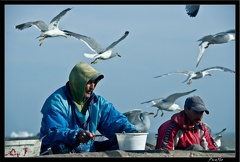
x: 162, y: 38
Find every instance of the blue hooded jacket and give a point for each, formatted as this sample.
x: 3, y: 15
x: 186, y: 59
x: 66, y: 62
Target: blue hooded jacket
x: 63, y: 119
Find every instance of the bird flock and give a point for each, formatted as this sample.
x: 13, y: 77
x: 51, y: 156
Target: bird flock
x: 53, y: 30
x: 138, y: 117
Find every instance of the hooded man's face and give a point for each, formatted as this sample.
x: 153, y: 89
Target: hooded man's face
x: 89, y: 89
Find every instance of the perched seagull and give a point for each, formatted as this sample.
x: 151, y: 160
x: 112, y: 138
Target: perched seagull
x: 100, y: 53
x: 50, y: 30
x: 167, y: 104
x: 217, y: 137
x: 192, y: 10
x: 139, y: 119
x: 196, y: 75
x: 219, y: 38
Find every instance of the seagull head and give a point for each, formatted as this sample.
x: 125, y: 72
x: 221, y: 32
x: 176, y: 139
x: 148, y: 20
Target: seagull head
x: 231, y: 37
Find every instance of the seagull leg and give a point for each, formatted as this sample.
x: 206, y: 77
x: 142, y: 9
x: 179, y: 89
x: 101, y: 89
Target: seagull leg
x: 94, y: 62
x: 41, y: 43
x: 162, y: 113
x: 42, y: 39
x: 44, y: 36
x: 190, y: 82
x: 156, y: 113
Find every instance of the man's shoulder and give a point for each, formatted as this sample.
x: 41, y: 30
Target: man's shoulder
x: 57, y: 97
x: 98, y: 98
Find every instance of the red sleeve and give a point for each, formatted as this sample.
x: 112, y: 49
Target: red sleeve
x: 165, y: 139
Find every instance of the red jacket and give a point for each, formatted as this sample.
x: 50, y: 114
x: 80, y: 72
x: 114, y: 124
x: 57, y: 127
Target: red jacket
x: 176, y: 133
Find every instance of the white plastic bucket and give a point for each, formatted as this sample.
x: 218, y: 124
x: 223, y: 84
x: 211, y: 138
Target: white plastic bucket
x: 132, y: 141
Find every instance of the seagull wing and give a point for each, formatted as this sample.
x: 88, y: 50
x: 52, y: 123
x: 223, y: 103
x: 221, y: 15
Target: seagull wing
x: 206, y: 38
x: 184, y: 72
x: 153, y: 100
x: 115, y: 43
x: 90, y: 42
x: 218, y: 68
x: 172, y: 98
x: 91, y: 56
x: 40, y: 25
x: 226, y: 32
x: 217, y: 134
x: 192, y: 10
x: 133, y: 116
x: 202, y: 48
x: 55, y: 21
x: 230, y: 31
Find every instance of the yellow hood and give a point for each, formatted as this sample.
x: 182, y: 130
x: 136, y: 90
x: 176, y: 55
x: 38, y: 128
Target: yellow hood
x: 78, y: 78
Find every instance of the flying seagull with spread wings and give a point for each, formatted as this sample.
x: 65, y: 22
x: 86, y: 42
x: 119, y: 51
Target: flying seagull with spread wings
x: 196, y: 75
x: 50, y: 30
x: 100, y: 53
x: 192, y: 10
x: 219, y: 38
x: 139, y: 119
x: 167, y: 104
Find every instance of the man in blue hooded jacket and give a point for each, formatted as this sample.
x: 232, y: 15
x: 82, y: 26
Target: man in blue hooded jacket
x: 74, y: 113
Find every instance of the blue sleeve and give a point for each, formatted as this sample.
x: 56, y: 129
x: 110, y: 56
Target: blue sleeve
x: 58, y: 129
x: 57, y: 125
x: 112, y: 121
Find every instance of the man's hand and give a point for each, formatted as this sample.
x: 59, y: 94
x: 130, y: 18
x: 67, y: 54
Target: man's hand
x: 84, y: 136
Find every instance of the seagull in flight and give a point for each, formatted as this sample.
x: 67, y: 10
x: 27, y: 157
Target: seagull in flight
x: 167, y: 104
x: 192, y: 10
x: 219, y: 38
x: 50, y: 30
x: 139, y: 119
x: 100, y: 53
x: 197, y: 75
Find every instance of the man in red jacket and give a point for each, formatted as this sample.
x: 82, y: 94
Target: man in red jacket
x: 185, y: 131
